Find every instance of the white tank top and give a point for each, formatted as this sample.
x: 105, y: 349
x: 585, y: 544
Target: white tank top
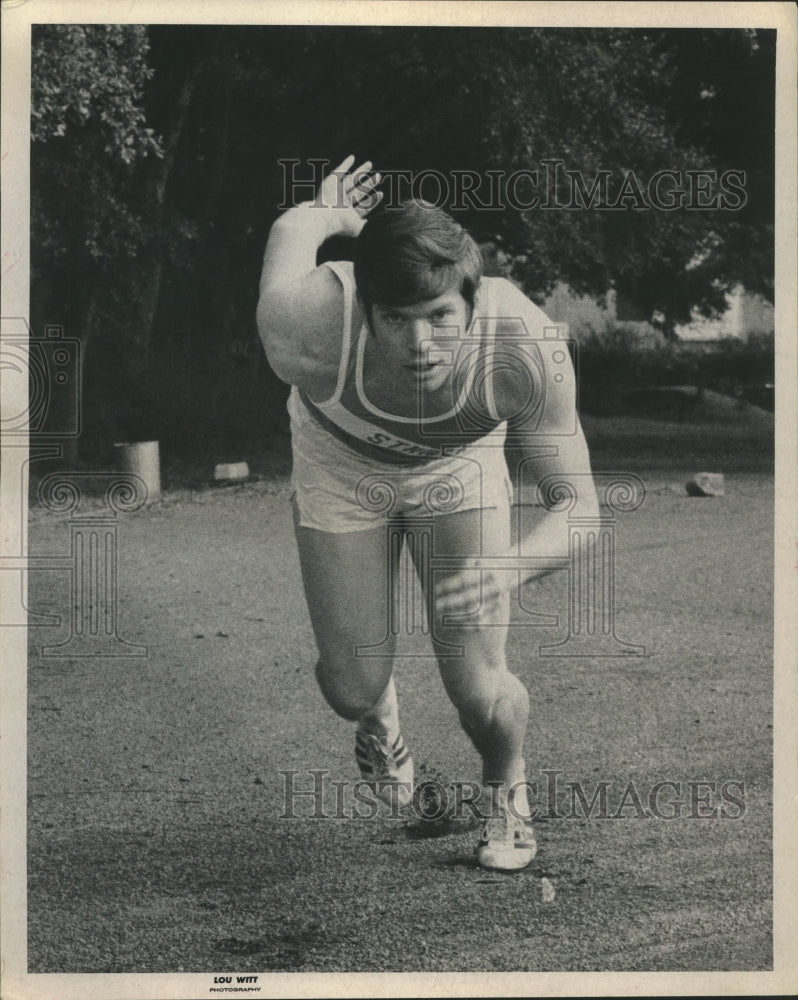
x: 360, y: 423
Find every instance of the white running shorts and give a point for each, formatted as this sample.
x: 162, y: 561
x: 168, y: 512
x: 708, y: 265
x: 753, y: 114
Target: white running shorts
x: 338, y: 490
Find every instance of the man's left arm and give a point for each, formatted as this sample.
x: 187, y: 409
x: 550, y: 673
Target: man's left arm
x: 534, y: 386
x: 550, y: 447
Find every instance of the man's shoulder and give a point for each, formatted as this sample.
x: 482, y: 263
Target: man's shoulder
x: 530, y: 363
x: 344, y: 269
x: 516, y: 314
x: 310, y: 315
x: 330, y: 278
x: 335, y: 281
x: 318, y: 307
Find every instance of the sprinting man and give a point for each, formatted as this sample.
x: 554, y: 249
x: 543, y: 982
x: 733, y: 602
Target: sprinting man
x: 409, y: 368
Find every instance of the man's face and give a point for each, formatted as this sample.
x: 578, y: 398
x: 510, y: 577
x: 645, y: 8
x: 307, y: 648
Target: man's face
x: 419, y: 342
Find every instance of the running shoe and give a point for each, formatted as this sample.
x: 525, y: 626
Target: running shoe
x: 386, y: 766
x: 507, y: 842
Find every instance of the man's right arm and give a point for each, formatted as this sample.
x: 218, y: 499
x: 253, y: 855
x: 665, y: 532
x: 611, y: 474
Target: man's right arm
x: 300, y: 310
x: 300, y: 305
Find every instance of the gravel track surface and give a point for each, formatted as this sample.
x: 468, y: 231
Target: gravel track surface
x: 156, y: 842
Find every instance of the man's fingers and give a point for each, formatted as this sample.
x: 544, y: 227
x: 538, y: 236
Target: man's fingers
x: 458, y: 582
x: 365, y: 181
x: 463, y: 597
x: 364, y: 189
x: 345, y: 165
x: 354, y: 176
x: 452, y: 592
x: 368, y: 202
x: 460, y: 593
x: 364, y: 168
x: 467, y: 605
x: 358, y: 180
x: 467, y: 592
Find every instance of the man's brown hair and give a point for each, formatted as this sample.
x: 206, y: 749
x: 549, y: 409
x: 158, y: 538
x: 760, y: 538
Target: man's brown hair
x: 414, y: 253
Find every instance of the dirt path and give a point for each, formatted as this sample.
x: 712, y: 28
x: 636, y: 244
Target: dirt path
x: 155, y: 794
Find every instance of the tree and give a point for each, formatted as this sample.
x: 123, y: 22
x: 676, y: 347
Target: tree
x: 88, y: 130
x: 89, y: 136
x: 156, y: 175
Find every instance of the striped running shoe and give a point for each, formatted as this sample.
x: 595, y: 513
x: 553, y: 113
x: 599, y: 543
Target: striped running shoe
x: 385, y: 766
x: 507, y: 842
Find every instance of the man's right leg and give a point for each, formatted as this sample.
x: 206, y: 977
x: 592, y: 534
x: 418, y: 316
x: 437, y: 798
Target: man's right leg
x: 347, y: 578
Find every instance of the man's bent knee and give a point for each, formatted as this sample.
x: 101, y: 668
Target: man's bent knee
x: 348, y: 696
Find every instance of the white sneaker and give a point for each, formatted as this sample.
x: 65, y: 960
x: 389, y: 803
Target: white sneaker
x: 386, y: 766
x: 507, y: 842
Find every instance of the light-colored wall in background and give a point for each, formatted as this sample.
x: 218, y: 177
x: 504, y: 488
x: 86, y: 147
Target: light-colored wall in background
x: 746, y: 314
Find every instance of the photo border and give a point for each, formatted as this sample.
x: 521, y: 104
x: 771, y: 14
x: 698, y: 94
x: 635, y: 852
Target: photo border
x: 17, y: 17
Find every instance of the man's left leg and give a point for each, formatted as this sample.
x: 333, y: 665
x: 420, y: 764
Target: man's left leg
x: 493, y: 705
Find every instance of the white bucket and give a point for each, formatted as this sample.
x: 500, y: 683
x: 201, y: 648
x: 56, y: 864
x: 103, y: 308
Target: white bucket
x: 231, y: 472
x: 142, y: 458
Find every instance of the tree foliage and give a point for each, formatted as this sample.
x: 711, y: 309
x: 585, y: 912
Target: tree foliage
x: 89, y: 133
x: 92, y: 73
x: 156, y: 173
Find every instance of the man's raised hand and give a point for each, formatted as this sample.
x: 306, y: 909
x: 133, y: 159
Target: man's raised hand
x: 351, y: 193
